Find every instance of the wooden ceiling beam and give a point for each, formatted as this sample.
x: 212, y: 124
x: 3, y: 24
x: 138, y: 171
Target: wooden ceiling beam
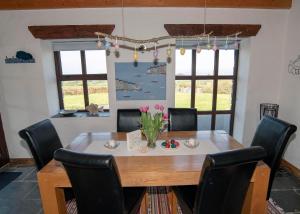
x: 55, y: 4
x: 217, y: 29
x: 69, y: 31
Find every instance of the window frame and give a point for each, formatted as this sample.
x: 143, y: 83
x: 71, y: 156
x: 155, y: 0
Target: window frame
x: 215, y: 77
x: 84, y: 77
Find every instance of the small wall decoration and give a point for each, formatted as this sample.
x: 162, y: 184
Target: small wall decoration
x: 269, y: 109
x: 141, y: 81
x: 294, y: 66
x: 21, y: 57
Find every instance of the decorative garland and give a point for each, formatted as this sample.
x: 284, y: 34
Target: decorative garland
x: 152, y: 43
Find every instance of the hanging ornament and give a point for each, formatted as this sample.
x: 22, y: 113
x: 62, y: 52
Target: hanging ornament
x: 117, y: 54
x: 99, y: 43
x: 142, y: 48
x: 169, y: 54
x: 226, y: 43
x: 107, y: 43
x: 208, y: 43
x: 215, y: 47
x: 169, y: 51
x: 182, y: 51
x: 198, y: 48
x: 169, y: 60
x: 155, y: 52
x: 116, y: 45
x: 236, y: 43
x: 135, y: 55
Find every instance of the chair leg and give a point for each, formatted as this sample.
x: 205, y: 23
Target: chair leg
x: 173, y: 203
x: 144, y: 204
x: 170, y: 199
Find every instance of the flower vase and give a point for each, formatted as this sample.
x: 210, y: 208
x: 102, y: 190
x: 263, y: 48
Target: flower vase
x: 151, y: 139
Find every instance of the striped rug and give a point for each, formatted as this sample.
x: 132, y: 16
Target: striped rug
x: 158, y: 203
x: 273, y: 208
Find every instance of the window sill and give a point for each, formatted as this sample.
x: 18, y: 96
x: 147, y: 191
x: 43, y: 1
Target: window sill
x: 82, y: 115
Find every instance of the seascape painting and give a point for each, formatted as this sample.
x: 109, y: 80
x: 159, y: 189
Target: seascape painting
x: 143, y: 81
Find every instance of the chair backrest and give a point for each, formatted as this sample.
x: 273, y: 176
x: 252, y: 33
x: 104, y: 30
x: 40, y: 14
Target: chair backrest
x: 225, y: 180
x: 273, y: 134
x: 95, y: 182
x: 128, y: 120
x: 182, y: 119
x: 42, y: 140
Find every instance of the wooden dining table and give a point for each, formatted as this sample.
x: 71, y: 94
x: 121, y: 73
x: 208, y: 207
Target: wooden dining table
x: 145, y: 171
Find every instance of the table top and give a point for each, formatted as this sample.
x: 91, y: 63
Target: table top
x: 151, y: 170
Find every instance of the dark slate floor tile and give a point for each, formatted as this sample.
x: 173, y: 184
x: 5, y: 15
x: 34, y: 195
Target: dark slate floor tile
x: 288, y: 200
x: 20, y: 206
x: 8, y: 177
x: 25, y: 171
x: 31, y: 176
x: 34, y: 194
x: 29, y: 207
x: 285, y: 183
x: 283, y: 173
x: 17, y: 190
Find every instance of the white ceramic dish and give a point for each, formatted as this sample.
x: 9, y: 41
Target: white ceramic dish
x: 109, y: 146
x: 67, y: 112
x: 191, y: 145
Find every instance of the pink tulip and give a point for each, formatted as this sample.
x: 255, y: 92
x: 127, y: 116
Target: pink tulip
x: 161, y: 108
x: 157, y: 106
x: 144, y: 109
x: 141, y: 109
x: 165, y: 116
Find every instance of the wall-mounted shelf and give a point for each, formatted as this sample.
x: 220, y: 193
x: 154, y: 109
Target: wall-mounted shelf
x: 217, y: 29
x: 69, y: 31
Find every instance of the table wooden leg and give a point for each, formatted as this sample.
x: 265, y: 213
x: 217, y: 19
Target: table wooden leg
x: 144, y: 204
x: 52, y: 198
x: 174, y: 203
x: 255, y: 202
x: 170, y: 199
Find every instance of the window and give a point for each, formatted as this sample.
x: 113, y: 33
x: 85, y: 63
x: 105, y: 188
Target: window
x: 207, y: 81
x: 81, y: 79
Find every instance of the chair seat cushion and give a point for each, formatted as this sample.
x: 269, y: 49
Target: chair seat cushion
x: 133, y: 197
x: 185, y: 197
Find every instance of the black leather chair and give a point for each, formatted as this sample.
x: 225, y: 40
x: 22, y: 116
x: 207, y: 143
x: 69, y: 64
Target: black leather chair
x: 223, y: 184
x: 128, y: 120
x: 96, y: 184
x: 42, y: 140
x: 273, y: 135
x: 182, y: 119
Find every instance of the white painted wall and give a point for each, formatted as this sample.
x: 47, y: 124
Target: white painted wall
x: 25, y: 87
x: 242, y: 89
x: 290, y: 85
